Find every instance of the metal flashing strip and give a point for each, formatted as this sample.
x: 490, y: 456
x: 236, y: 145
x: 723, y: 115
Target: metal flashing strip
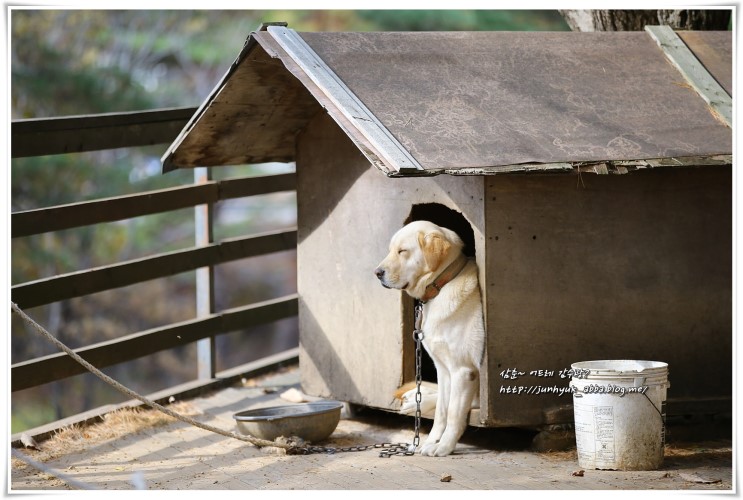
x: 345, y: 100
x: 607, y: 167
x: 695, y: 73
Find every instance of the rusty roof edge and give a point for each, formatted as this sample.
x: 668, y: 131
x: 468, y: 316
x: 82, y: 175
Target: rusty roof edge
x: 388, y: 149
x: 250, y: 43
x: 606, y: 167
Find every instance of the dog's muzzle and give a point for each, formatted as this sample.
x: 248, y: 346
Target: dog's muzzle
x: 379, y: 273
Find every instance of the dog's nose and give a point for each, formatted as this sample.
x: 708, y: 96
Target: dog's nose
x: 379, y: 272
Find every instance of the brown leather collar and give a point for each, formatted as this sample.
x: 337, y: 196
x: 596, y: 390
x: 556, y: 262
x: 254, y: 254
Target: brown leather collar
x: 451, y: 272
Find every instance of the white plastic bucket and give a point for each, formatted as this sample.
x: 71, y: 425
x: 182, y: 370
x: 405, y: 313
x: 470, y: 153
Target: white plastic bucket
x: 619, y: 408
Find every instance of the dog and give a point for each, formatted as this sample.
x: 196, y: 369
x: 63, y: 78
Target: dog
x: 426, y: 261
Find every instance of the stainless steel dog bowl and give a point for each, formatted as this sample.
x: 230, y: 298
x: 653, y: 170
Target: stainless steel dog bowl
x: 312, y: 422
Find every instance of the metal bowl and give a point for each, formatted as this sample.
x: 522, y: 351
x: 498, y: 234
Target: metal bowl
x: 312, y: 422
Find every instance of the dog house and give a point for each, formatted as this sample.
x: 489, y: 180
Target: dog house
x: 589, y: 173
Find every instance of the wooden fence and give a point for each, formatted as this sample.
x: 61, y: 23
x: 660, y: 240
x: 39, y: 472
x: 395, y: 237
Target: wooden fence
x: 89, y: 133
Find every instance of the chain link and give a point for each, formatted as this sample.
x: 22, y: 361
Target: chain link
x: 388, y: 449
x: 418, y: 337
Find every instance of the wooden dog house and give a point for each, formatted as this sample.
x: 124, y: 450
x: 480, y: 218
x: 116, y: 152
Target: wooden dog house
x: 591, y: 179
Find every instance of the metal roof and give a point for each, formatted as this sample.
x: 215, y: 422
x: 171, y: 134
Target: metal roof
x: 420, y: 103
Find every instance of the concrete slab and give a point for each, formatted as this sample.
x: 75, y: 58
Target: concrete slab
x: 179, y: 457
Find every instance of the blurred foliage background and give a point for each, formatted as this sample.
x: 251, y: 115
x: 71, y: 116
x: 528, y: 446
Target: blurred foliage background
x: 76, y: 62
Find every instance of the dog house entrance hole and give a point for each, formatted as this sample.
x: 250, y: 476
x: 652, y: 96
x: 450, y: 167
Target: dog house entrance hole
x: 450, y: 219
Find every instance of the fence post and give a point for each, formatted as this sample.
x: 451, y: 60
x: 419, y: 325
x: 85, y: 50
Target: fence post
x: 203, y: 219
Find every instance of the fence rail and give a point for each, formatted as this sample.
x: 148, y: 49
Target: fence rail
x: 59, y: 366
x: 76, y: 134
x: 42, y: 220
x: 76, y: 284
x: 88, y: 133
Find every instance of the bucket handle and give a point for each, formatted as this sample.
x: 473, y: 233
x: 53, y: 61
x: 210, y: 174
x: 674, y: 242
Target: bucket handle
x: 656, y: 408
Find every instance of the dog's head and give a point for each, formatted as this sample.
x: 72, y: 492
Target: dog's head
x: 417, y: 254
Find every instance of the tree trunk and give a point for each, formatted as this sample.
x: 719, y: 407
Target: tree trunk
x: 636, y: 20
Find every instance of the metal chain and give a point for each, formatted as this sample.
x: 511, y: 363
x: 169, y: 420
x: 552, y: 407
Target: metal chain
x: 418, y: 337
x: 389, y: 449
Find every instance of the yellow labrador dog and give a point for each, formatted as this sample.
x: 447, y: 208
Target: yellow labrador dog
x: 426, y: 261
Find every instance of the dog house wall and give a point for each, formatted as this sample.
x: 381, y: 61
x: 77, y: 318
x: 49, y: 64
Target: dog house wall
x: 573, y: 265
x: 635, y: 266
x: 570, y: 269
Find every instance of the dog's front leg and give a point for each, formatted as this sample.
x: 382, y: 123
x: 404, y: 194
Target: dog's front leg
x: 463, y: 386
x: 440, y: 416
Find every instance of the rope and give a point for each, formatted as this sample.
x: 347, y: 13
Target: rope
x: 116, y: 385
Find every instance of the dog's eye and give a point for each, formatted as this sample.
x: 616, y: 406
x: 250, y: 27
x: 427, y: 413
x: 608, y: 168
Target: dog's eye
x: 401, y: 251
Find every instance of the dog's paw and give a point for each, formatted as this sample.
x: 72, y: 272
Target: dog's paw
x: 408, y: 404
x: 439, y: 449
x: 428, y: 449
x: 429, y: 445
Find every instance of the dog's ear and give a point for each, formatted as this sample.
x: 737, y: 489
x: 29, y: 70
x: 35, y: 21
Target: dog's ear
x: 435, y: 246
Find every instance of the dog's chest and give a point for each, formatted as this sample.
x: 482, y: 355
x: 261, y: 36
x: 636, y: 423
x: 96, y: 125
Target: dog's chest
x: 436, y: 345
x: 439, y: 337
x: 449, y: 329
